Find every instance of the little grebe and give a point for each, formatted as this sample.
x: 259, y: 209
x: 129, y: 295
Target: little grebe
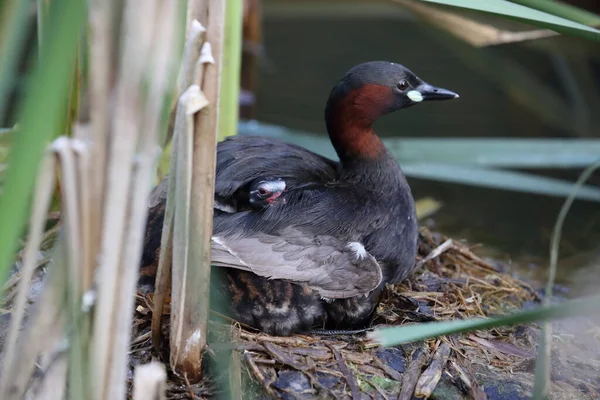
x: 264, y: 191
x: 320, y: 254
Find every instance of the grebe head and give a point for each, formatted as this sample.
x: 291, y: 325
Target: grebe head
x: 364, y: 94
x: 264, y: 191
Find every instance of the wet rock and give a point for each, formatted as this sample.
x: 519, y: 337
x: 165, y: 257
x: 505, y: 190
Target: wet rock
x: 393, y: 357
x: 447, y: 390
x: 327, y: 381
x: 292, y: 381
x: 504, y: 390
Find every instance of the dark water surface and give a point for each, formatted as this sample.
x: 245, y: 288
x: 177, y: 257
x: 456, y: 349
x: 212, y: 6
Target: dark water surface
x: 305, y: 56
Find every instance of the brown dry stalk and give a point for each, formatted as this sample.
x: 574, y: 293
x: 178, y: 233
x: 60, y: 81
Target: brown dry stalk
x: 193, y: 213
x: 475, y: 33
x: 83, y: 157
x: 432, y: 375
x: 258, y: 375
x: 350, y: 379
x: 412, y: 374
x: 164, y: 272
x: 436, y: 252
x: 185, y: 335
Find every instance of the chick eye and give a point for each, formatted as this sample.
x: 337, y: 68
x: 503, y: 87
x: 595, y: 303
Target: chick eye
x: 262, y: 191
x: 402, y: 85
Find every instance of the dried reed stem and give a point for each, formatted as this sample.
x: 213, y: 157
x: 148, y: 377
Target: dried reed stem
x: 206, y: 128
x: 83, y: 157
x: 123, y: 216
x: 163, y: 276
x: 52, y: 328
x: 475, y: 33
x: 431, y: 376
x: 121, y: 162
x: 183, y: 137
x: 193, y: 213
x: 45, y: 325
x: 102, y: 18
x: 42, y: 198
x: 163, y: 38
x: 70, y: 201
x: 53, y: 385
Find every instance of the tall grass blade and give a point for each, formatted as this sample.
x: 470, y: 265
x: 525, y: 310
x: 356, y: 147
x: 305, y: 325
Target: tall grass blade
x: 542, y: 381
x: 500, y: 153
x: 13, y: 30
x: 485, y: 152
x: 524, y: 14
x: 498, y: 179
x: 43, y: 17
x: 231, y: 69
x: 469, y: 30
x: 393, y: 336
x: 39, y: 117
x: 440, y: 159
x: 563, y: 10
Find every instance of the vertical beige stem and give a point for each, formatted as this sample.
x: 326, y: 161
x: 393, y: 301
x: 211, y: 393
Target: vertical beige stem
x: 190, y: 312
x: 102, y: 32
x: 181, y: 178
x: 42, y: 197
x: 203, y: 178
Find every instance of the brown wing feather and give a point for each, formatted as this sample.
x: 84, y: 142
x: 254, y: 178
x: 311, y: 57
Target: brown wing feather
x: 332, y: 267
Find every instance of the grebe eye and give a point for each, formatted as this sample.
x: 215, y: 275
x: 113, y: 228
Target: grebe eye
x: 262, y: 191
x: 402, y: 85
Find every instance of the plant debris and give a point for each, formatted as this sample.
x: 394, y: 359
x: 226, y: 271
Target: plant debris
x: 451, y: 283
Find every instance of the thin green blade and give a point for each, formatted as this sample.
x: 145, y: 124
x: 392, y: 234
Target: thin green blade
x: 13, y: 31
x: 503, y: 152
x: 524, y: 14
x: 440, y: 159
x: 411, y: 333
x: 486, y: 152
x: 498, y: 179
x: 564, y: 10
x: 39, y: 118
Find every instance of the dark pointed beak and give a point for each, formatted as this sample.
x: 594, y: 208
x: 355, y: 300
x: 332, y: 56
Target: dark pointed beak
x: 434, y: 93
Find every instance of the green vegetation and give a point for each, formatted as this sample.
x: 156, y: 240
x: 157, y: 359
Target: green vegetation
x: 49, y: 108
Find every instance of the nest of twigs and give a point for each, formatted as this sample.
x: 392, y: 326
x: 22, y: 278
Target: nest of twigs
x: 451, y: 283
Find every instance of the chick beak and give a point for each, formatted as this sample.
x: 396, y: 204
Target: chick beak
x: 426, y: 92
